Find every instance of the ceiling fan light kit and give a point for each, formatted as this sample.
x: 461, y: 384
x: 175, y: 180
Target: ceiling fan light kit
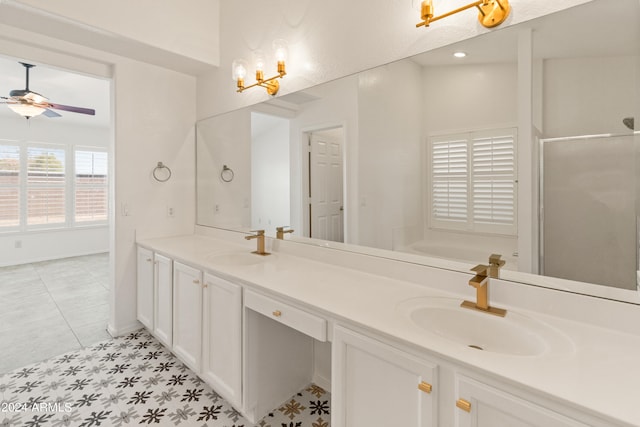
x: 31, y: 104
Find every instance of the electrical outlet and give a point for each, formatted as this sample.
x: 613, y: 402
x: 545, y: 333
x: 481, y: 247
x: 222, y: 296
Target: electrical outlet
x: 18, y: 244
x: 170, y: 211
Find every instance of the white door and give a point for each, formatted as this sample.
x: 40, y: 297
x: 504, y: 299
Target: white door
x: 187, y: 315
x: 163, y: 303
x: 144, y: 288
x: 222, y: 338
x: 376, y: 385
x: 485, y: 406
x: 326, y: 203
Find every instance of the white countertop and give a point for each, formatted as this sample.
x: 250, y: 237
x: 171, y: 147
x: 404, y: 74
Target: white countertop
x: 600, y: 375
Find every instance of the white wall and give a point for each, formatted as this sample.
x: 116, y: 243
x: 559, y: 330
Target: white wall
x: 165, y: 33
x: 390, y: 105
x: 270, y: 189
x: 154, y: 121
x: 39, y: 245
x: 589, y: 96
x: 483, y: 96
x: 154, y: 117
x: 337, y: 105
x: 225, y: 140
x: 333, y: 39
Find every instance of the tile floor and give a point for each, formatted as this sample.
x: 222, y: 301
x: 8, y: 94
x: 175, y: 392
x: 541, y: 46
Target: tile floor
x: 52, y: 307
x: 134, y: 380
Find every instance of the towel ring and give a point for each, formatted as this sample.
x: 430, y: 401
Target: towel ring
x: 160, y: 167
x: 227, y: 174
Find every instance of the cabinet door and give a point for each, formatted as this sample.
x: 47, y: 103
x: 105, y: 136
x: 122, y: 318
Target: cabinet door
x: 144, y: 291
x: 376, y: 385
x: 222, y: 338
x: 163, y: 320
x: 187, y: 315
x: 480, y: 405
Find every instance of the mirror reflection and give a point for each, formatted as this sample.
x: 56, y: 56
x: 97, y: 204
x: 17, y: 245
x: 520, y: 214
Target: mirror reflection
x: 522, y: 151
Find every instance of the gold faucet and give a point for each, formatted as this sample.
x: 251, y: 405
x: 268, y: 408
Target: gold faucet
x: 281, y: 230
x: 481, y: 282
x: 495, y: 263
x: 259, y: 236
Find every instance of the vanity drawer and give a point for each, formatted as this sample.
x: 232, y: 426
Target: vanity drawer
x: 300, y: 320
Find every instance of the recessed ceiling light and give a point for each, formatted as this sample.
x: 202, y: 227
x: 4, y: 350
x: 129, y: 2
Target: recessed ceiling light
x: 459, y: 54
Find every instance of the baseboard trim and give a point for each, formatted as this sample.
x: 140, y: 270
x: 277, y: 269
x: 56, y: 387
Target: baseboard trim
x: 321, y: 381
x: 124, y: 330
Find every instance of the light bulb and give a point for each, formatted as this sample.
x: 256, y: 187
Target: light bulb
x: 280, y: 48
x: 239, y: 69
x: 259, y: 60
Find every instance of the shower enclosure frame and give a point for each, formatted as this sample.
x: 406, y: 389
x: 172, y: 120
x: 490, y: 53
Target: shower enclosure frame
x: 541, y: 194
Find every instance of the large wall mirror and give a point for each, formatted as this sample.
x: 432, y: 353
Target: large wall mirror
x: 524, y: 147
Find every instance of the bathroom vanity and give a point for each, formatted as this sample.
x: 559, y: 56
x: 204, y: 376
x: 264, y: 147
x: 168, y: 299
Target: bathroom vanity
x: 402, y: 352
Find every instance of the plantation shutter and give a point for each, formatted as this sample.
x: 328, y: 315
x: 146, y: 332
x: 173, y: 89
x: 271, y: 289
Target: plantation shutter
x: 494, y: 180
x: 91, y: 186
x: 449, y: 172
x: 45, y: 185
x: 473, y: 181
x: 9, y: 187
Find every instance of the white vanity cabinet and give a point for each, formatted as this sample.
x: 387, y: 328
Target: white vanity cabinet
x: 144, y: 292
x: 163, y: 300
x: 375, y: 384
x: 481, y: 405
x: 187, y: 315
x: 222, y: 338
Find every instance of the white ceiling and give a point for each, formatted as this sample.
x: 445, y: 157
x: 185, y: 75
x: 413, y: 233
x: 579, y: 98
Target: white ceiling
x: 60, y: 87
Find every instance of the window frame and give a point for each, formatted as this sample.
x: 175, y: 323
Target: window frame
x: 69, y: 186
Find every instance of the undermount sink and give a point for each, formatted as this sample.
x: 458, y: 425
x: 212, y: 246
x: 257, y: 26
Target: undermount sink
x: 237, y: 258
x: 515, y: 334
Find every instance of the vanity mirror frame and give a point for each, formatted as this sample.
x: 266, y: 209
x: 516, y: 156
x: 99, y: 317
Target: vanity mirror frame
x: 595, y: 290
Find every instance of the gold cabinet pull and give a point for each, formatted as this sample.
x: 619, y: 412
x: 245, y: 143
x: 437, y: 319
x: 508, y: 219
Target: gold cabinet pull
x: 465, y: 405
x: 148, y: 259
x: 277, y: 313
x: 426, y: 387
x: 196, y: 281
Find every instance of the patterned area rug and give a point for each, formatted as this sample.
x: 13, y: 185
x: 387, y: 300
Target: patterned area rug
x: 134, y: 380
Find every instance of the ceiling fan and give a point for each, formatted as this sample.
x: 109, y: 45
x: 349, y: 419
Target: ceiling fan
x: 30, y: 104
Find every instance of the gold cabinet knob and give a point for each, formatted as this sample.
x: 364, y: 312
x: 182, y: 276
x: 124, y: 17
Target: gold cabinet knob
x: 277, y: 313
x: 426, y: 387
x: 465, y: 405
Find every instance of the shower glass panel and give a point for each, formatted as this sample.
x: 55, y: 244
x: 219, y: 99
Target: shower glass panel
x: 588, y: 209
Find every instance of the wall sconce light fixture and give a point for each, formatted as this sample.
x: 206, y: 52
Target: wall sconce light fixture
x: 492, y: 12
x: 240, y: 66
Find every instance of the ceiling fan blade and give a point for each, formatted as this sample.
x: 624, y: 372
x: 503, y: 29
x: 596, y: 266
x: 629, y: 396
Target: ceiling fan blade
x: 72, y: 109
x: 50, y: 113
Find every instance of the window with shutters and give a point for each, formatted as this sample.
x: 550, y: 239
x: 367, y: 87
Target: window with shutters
x: 46, y: 181
x: 91, y: 186
x: 473, y: 181
x: 9, y: 185
x: 52, y: 186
